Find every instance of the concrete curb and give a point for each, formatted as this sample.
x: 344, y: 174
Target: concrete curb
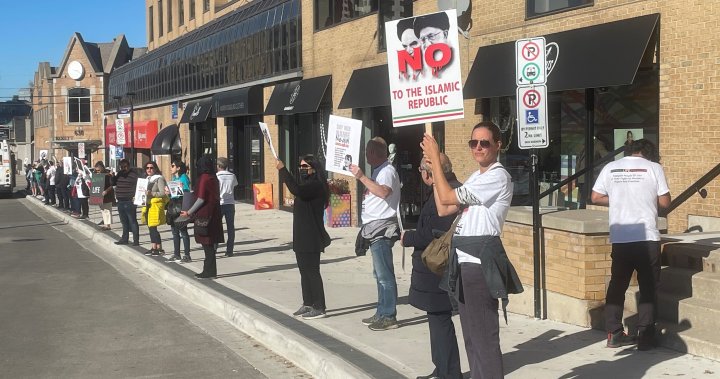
x: 304, y: 353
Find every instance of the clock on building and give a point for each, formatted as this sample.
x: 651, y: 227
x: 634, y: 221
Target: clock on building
x: 75, y: 70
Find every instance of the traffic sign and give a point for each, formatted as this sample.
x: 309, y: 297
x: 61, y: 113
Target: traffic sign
x: 530, y: 65
x: 532, y: 117
x: 124, y: 112
x: 120, y: 132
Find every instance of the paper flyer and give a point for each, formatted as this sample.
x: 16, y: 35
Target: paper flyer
x: 176, y: 189
x: 343, y: 144
x: 266, y: 133
x: 141, y: 192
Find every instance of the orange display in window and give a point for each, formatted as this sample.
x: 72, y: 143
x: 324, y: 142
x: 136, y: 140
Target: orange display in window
x: 263, y: 196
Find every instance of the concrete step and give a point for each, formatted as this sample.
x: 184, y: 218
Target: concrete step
x: 699, y: 312
x: 687, y: 338
x: 705, y: 286
x: 689, y: 255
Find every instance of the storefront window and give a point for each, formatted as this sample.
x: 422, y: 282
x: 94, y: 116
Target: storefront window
x: 332, y: 12
x: 538, y: 8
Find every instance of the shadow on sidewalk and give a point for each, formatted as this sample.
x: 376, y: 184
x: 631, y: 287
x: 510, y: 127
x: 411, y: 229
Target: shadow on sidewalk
x: 546, y: 347
x: 289, y: 266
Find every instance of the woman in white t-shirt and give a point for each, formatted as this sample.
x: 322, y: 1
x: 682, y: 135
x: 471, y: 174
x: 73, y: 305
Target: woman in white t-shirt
x: 478, y: 257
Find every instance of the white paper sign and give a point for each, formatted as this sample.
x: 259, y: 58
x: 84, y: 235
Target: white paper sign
x: 67, y: 165
x: 120, y: 132
x: 343, y: 144
x: 176, y: 189
x: 141, y: 192
x: 424, y: 68
x: 268, y: 139
x: 81, y: 150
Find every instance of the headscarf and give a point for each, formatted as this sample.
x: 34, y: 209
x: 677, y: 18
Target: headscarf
x: 206, y: 165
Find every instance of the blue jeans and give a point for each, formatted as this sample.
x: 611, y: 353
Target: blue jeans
x: 128, y: 218
x: 384, y: 273
x: 228, y: 211
x: 180, y: 233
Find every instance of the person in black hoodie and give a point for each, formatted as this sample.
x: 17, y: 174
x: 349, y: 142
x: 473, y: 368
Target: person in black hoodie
x: 425, y: 293
x: 309, y: 236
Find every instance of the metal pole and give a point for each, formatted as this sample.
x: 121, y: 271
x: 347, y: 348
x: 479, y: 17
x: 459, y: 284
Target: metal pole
x: 132, y: 129
x: 534, y: 194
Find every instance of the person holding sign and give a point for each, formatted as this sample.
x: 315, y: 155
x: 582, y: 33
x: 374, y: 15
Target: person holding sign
x: 380, y: 228
x: 312, y: 196
x: 125, y: 182
x: 479, y: 270
x: 154, y: 209
x: 107, y: 195
x: 178, y: 169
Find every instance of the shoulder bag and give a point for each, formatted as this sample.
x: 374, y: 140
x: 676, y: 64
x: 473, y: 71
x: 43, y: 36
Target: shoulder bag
x: 435, y: 255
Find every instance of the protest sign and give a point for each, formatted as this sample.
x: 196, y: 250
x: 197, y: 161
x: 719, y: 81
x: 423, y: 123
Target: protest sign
x: 67, y: 165
x: 343, y: 144
x: 424, y: 68
x: 141, y: 192
x: 96, y: 189
x: 266, y: 133
x: 176, y: 189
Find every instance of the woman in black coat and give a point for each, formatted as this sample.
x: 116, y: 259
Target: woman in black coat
x: 425, y: 293
x: 309, y: 235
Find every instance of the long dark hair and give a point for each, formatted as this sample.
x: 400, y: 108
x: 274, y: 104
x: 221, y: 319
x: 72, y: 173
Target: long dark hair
x: 319, y: 174
x: 181, y: 166
x: 206, y: 164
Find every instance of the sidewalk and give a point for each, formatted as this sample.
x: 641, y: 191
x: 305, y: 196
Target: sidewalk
x: 258, y: 289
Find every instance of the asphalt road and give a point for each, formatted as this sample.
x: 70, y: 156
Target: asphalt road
x: 64, y: 312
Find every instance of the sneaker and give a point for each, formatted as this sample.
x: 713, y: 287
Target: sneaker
x: 136, y: 243
x: 174, y: 258
x: 158, y: 253
x: 186, y: 259
x: 619, y: 339
x: 313, y: 314
x: 370, y: 320
x: 229, y: 255
x: 82, y: 217
x: 385, y: 323
x: 121, y: 242
x: 150, y: 252
x: 302, y: 310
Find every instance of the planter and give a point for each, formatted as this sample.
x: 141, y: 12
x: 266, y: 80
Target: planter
x: 338, y: 213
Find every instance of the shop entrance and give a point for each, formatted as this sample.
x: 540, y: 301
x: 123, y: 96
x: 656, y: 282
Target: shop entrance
x: 245, y: 154
x: 203, y: 141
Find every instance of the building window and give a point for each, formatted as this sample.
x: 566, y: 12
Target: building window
x: 391, y: 10
x: 332, y: 12
x: 181, y: 12
x: 78, y: 105
x: 206, y: 6
x: 192, y: 10
x: 538, y: 8
x: 160, y: 18
x: 151, y: 23
x: 170, y: 14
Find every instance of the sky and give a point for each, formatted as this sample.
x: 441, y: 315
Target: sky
x: 37, y: 31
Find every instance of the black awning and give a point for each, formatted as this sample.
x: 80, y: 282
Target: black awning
x: 300, y: 96
x: 197, y: 111
x: 239, y: 102
x: 167, y: 141
x: 603, y: 55
x: 367, y: 88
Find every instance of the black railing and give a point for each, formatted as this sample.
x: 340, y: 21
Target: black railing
x: 694, y: 188
x: 609, y: 156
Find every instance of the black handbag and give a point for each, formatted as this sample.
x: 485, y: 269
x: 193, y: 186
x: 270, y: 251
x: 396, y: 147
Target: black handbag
x: 173, y: 211
x: 201, y: 226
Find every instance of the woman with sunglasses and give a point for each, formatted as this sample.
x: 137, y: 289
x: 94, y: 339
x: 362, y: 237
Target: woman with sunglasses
x: 178, y: 169
x: 155, y: 206
x: 207, y: 208
x: 309, y: 236
x: 478, y: 261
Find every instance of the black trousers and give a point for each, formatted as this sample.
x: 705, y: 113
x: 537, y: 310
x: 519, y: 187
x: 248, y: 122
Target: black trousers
x: 443, y: 345
x: 50, y: 196
x: 643, y: 257
x: 480, y: 324
x: 313, y: 292
x: 84, y: 206
x: 210, y: 264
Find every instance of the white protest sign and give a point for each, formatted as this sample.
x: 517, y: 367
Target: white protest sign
x: 81, y: 150
x: 141, y: 192
x: 67, y: 165
x: 266, y: 133
x: 424, y: 68
x: 343, y: 144
x: 120, y: 132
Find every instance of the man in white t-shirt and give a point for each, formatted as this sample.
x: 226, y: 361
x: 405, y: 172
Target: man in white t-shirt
x: 633, y: 188
x: 228, y: 182
x: 380, y: 227
x: 50, y: 173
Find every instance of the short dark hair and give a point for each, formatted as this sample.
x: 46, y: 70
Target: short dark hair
x: 124, y: 161
x: 494, y: 129
x: 646, y: 148
x: 436, y: 20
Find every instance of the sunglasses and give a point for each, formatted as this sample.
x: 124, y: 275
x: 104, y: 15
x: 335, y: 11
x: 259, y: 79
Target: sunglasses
x: 149, y: 168
x: 485, y: 144
x: 304, y: 166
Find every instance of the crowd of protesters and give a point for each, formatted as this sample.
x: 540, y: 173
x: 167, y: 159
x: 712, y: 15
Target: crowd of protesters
x: 478, y: 277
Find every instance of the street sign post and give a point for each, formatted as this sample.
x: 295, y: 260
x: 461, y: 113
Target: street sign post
x: 530, y: 67
x: 532, y: 117
x: 123, y: 112
x: 120, y: 132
